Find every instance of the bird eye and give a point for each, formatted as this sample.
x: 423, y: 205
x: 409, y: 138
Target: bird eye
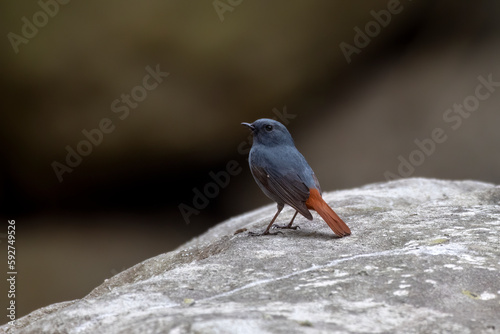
x: 269, y: 128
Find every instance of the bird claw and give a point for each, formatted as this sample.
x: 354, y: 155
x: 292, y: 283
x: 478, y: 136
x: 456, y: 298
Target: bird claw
x: 256, y: 234
x: 286, y: 227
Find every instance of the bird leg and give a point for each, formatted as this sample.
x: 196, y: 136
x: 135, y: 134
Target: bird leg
x: 289, y: 224
x: 266, y: 232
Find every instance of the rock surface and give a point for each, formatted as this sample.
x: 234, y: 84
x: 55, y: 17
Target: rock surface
x: 424, y: 257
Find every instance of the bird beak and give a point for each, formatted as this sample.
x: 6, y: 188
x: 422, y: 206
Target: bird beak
x: 250, y: 126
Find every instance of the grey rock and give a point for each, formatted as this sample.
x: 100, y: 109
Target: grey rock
x: 424, y: 257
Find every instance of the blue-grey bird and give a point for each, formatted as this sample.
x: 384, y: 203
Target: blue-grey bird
x: 284, y: 175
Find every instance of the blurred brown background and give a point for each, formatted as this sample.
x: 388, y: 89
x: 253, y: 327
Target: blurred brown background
x: 352, y: 119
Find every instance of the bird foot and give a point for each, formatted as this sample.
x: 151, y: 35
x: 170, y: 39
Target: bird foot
x: 256, y: 234
x: 286, y: 227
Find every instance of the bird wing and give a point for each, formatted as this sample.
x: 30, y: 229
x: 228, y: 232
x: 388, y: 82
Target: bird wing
x: 287, y: 186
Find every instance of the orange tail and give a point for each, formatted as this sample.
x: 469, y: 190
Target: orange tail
x: 317, y: 203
